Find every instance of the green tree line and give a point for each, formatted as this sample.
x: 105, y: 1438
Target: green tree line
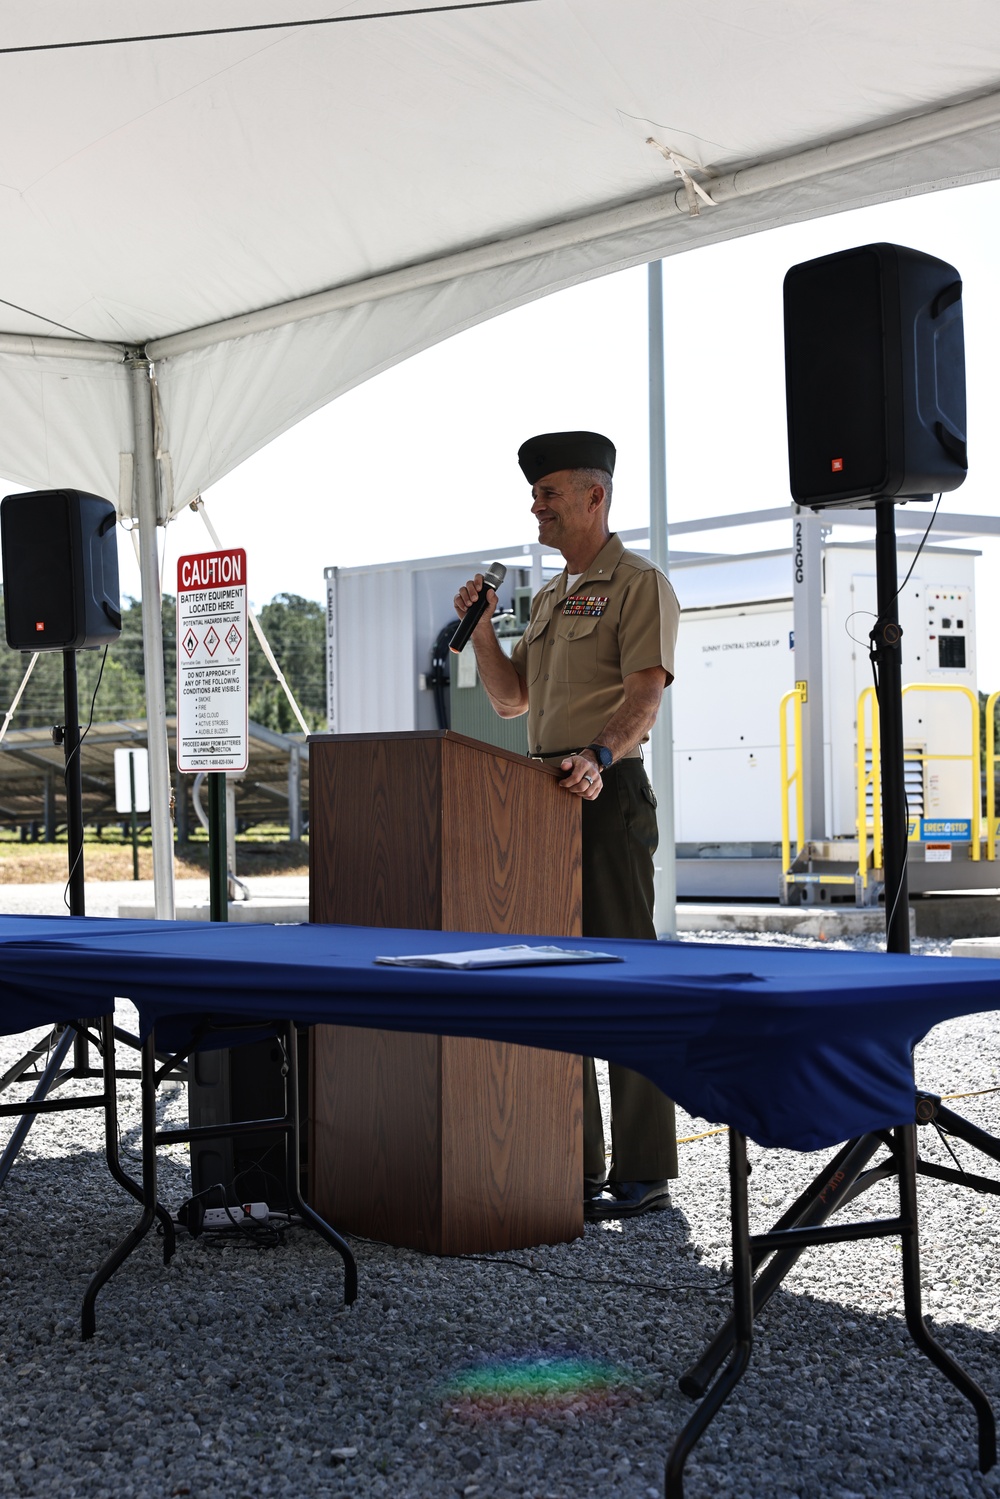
x: 294, y: 626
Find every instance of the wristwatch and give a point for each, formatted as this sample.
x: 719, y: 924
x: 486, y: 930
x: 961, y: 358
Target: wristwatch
x: 605, y: 758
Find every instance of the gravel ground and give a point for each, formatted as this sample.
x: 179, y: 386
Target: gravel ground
x: 550, y: 1372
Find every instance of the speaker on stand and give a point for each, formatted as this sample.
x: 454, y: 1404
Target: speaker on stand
x: 60, y: 593
x: 875, y: 392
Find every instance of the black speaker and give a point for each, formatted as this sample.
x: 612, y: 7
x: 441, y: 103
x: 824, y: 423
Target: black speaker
x: 60, y: 570
x: 874, y: 376
x: 243, y: 1083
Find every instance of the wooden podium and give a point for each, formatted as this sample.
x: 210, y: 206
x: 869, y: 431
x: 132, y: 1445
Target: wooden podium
x: 442, y: 1144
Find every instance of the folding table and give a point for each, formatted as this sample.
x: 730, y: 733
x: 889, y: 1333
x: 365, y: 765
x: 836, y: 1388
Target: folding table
x: 796, y: 1049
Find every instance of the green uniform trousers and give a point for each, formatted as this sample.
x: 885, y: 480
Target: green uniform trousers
x: 619, y: 840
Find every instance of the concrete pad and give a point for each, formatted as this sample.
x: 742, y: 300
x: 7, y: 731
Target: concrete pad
x: 240, y: 911
x: 958, y: 916
x: 976, y: 947
x: 797, y: 921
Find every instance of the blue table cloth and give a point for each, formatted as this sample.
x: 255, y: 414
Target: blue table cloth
x: 797, y: 1048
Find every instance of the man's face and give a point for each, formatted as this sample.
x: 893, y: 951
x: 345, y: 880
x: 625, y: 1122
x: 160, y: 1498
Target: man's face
x: 564, y: 508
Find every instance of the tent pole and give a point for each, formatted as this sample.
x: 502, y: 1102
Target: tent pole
x: 662, y: 735
x: 152, y: 645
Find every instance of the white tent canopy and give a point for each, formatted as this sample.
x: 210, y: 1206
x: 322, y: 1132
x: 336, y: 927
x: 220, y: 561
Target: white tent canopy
x: 206, y: 237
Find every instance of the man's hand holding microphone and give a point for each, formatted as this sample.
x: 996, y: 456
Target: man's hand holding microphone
x: 476, y: 601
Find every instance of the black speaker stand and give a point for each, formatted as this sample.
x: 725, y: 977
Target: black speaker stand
x: 762, y: 1261
x: 51, y: 1052
x: 54, y: 1047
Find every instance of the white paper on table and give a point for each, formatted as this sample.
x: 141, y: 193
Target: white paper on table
x: 502, y: 957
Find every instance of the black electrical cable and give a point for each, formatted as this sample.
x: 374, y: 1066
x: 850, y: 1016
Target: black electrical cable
x: 440, y: 676
x: 584, y: 1280
x: 920, y: 548
x: 171, y: 36
x: 598, y: 1280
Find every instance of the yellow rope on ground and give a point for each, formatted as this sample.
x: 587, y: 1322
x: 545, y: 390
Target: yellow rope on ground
x: 976, y: 1093
x: 687, y: 1139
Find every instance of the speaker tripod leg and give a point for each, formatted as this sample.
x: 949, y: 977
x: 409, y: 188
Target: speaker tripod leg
x: 45, y: 1082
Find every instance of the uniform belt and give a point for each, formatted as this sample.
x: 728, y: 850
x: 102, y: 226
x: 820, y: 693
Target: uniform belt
x: 633, y: 754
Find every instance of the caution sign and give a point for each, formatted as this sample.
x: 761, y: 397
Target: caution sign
x: 212, y: 686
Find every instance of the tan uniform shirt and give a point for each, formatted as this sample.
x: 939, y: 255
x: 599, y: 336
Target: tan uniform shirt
x: 620, y: 616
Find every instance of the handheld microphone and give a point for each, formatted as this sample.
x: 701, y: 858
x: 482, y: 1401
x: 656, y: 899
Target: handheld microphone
x: 492, y: 578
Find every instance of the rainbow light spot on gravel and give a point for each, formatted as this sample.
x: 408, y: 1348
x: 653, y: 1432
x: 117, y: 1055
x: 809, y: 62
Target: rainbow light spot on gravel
x: 540, y: 1387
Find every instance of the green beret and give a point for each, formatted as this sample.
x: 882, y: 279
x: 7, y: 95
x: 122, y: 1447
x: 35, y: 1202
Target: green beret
x: 552, y: 451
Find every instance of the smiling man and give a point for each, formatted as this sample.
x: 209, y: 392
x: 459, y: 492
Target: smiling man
x: 590, y: 671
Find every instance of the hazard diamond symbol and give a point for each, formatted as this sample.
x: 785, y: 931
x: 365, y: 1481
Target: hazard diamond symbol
x: 190, y: 642
x: 234, y: 639
x: 212, y: 641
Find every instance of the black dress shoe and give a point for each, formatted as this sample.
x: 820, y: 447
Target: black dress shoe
x: 593, y: 1186
x: 627, y: 1200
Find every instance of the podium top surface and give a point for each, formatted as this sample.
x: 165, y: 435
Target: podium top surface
x: 442, y: 734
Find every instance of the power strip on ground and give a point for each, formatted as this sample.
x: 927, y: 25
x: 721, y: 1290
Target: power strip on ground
x: 247, y: 1212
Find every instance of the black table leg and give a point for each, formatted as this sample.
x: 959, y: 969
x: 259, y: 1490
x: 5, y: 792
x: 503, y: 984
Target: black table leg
x: 742, y: 1321
x: 292, y: 1158
x: 108, y: 1033
x: 812, y: 1207
x: 121, y: 1252
x: 906, y: 1147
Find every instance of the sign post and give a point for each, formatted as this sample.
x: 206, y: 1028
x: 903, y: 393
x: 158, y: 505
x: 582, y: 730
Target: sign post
x: 212, y: 689
x: 132, y: 792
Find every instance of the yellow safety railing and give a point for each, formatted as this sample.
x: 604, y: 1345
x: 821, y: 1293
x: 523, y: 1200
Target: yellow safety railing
x: 867, y: 703
x: 991, y: 790
x: 972, y: 757
x: 794, y: 778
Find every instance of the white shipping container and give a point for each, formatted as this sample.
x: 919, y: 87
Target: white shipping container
x: 733, y: 665
x: 735, y: 660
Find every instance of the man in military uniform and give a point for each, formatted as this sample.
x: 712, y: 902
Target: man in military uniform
x: 590, y: 671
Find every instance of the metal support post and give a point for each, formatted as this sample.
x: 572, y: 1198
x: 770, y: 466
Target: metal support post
x: 135, y: 830
x: 183, y: 812
x: 49, y: 808
x: 662, y: 734
x: 218, y: 872
x: 807, y: 605
x: 161, y: 825
x: 295, y: 794
x: 231, y: 883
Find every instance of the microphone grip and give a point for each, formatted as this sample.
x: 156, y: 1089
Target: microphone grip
x: 470, y: 620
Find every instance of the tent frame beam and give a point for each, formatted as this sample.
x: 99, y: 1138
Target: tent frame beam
x: 750, y: 181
